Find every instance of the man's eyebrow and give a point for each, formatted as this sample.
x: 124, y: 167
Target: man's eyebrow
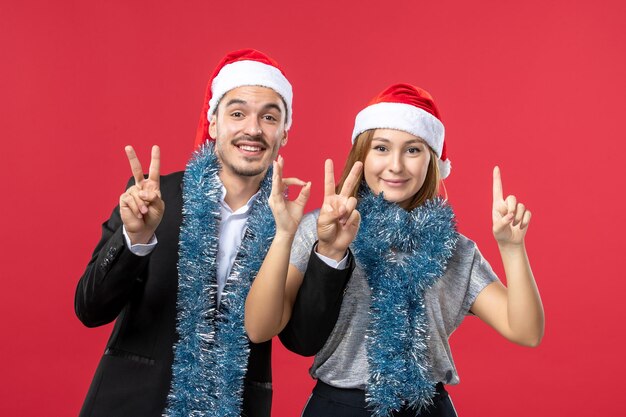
x: 235, y: 101
x: 244, y: 102
x: 273, y: 106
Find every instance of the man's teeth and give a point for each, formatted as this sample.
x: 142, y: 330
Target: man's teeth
x: 250, y: 148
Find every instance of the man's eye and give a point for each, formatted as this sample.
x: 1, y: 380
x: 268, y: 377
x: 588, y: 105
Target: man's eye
x: 270, y: 118
x: 237, y: 114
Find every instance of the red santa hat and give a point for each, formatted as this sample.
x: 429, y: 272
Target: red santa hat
x: 237, y: 69
x: 410, y: 109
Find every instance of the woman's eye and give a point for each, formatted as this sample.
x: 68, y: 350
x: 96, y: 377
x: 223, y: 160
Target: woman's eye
x: 380, y: 148
x: 414, y: 150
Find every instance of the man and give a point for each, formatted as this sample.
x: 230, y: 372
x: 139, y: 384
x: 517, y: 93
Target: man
x: 177, y: 257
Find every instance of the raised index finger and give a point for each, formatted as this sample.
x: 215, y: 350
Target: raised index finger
x: 135, y: 165
x: 329, y: 178
x: 497, y: 185
x: 155, y: 165
x: 352, y: 179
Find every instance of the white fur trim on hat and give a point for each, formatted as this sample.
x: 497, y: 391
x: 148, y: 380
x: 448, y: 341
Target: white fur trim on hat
x: 444, y: 168
x: 252, y: 73
x: 403, y: 117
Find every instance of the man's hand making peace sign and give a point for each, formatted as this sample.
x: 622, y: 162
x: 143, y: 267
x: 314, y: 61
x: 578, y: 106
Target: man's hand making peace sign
x: 141, y: 207
x: 339, y: 219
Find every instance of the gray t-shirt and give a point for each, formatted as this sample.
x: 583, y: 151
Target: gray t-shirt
x: 342, y: 362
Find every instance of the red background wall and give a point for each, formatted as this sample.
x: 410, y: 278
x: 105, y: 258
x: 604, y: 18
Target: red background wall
x: 536, y: 87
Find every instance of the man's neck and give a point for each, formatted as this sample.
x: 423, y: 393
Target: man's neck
x: 239, y: 189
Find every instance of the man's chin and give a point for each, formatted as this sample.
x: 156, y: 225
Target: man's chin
x: 251, y: 170
x: 244, y: 167
x: 249, y: 173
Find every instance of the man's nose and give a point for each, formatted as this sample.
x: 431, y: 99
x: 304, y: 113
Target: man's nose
x: 253, y: 128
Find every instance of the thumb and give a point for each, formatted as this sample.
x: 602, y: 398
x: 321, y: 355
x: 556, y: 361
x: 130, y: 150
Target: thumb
x: 500, y: 224
x: 303, y: 197
x: 355, y: 219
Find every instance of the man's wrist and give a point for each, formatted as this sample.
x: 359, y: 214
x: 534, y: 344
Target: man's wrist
x: 139, y: 249
x: 139, y: 238
x: 341, y: 264
x: 330, y: 252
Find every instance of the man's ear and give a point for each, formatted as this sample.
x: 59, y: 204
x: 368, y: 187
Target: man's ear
x: 283, y: 142
x: 213, y: 127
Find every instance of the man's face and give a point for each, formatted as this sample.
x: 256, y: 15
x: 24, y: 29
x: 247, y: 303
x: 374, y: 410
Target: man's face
x: 249, y: 129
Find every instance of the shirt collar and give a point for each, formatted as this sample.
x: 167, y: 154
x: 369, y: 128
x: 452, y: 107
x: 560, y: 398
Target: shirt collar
x: 243, y: 209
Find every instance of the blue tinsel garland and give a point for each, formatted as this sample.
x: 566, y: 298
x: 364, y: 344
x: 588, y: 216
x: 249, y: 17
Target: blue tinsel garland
x: 403, y: 253
x: 211, y: 355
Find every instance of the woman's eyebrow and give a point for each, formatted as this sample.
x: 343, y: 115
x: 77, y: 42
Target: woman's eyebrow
x: 410, y: 141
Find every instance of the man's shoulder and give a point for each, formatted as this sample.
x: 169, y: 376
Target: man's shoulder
x: 173, y: 176
x: 172, y: 186
x: 172, y: 179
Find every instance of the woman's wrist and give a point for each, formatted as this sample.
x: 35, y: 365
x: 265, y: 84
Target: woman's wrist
x: 511, y: 248
x: 284, y: 237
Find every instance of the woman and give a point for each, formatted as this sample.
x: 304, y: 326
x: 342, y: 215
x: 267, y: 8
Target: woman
x: 415, y: 277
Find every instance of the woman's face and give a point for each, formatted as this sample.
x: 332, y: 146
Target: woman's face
x: 396, y: 164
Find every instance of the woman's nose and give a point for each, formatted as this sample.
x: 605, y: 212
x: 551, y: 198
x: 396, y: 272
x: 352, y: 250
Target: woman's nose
x: 395, y: 164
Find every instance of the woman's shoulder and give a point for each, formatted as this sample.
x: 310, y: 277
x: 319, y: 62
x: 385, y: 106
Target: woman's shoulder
x: 467, y: 261
x: 464, y: 244
x: 463, y: 254
x: 309, y: 220
x: 304, y: 240
x: 307, y: 230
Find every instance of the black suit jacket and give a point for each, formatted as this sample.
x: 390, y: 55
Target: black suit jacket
x: 316, y: 309
x: 134, y: 374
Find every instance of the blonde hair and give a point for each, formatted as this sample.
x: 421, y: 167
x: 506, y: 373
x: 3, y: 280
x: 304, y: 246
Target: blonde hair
x: 359, y: 151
